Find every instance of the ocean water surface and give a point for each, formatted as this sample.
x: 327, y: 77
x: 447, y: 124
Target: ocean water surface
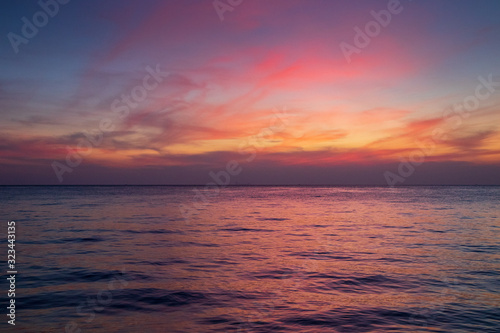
x: 254, y: 259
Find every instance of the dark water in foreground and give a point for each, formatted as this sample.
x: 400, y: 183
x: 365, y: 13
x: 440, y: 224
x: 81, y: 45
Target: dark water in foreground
x: 255, y: 259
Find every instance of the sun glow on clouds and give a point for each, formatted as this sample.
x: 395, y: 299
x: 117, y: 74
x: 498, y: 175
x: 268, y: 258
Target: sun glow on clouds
x: 226, y: 79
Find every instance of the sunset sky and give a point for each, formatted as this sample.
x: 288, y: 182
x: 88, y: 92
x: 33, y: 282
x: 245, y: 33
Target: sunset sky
x: 265, y: 83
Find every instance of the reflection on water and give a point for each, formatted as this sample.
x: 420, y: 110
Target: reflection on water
x: 256, y: 259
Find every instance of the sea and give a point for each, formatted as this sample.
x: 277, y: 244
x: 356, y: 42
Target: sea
x: 252, y: 259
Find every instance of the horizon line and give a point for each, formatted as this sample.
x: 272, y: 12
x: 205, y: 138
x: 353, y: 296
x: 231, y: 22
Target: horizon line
x: 254, y: 185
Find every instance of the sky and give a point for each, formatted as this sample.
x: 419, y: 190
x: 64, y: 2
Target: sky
x: 250, y: 92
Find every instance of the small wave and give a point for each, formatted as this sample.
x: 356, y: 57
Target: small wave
x: 153, y: 300
x: 359, y: 284
x: 352, y: 319
x: 198, y: 244
x: 159, y: 231
x: 323, y: 256
x: 274, y: 274
x: 246, y: 229
x: 60, y: 276
x: 66, y: 240
x: 481, y: 248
